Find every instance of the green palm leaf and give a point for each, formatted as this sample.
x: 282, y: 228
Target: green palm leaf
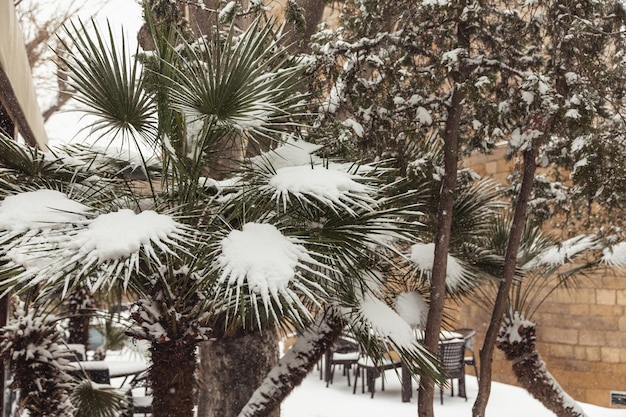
x: 109, y: 82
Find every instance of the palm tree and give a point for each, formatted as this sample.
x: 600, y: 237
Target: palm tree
x: 203, y: 258
x: 544, y: 265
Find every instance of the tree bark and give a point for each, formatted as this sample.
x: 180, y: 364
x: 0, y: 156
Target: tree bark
x: 232, y: 368
x: 294, y: 366
x: 172, y: 378
x: 444, y: 224
x: 531, y: 371
x: 510, y: 264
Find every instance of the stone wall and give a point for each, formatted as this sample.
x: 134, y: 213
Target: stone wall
x: 581, y: 333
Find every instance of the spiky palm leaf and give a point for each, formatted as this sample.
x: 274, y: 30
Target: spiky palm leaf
x: 108, y: 81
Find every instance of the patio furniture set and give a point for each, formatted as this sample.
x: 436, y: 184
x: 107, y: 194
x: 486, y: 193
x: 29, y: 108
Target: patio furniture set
x: 456, y: 351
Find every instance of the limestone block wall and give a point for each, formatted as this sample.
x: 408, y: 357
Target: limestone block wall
x: 581, y: 333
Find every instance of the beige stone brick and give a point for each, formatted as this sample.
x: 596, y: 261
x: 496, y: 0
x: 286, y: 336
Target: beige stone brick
x: 491, y: 168
x: 591, y: 338
x: 610, y: 354
x: 561, y: 350
x: 575, y: 309
x: 580, y: 352
x: 606, y: 297
x: 593, y: 353
x: 621, y: 322
x: 621, y: 297
x: 597, y: 396
x: 559, y: 335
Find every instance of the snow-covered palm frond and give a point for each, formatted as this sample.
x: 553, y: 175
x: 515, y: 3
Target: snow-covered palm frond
x: 338, y: 190
x: 241, y: 84
x: 101, y: 250
x: 458, y: 275
x: 260, y: 264
x: 564, y: 252
x: 615, y: 255
x: 28, y: 215
x: 381, y: 330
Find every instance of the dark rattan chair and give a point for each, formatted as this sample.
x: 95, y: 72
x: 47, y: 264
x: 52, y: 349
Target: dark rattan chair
x: 469, y: 335
x: 451, y: 355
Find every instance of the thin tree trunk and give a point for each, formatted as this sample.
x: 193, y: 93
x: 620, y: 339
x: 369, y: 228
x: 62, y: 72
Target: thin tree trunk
x: 510, y: 263
x: 442, y: 243
x: 172, y: 378
x: 531, y: 371
x: 233, y: 367
x: 294, y: 366
x: 444, y: 227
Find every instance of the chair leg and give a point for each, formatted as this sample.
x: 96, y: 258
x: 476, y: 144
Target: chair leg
x: 441, y: 393
x: 356, y: 378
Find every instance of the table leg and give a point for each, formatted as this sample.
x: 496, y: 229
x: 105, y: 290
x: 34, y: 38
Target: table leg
x: 407, y: 385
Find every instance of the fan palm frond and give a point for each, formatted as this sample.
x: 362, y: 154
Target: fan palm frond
x: 93, y: 400
x: 109, y: 82
x: 242, y: 84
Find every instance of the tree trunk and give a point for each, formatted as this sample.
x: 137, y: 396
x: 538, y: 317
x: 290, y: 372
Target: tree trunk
x: 510, y: 264
x: 444, y: 226
x: 232, y: 368
x: 517, y: 341
x: 294, y: 366
x: 172, y: 378
x: 80, y: 305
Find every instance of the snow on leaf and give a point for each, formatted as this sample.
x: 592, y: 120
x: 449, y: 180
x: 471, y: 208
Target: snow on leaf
x: 261, y: 255
x: 120, y: 234
x: 41, y: 209
x: 572, y: 114
x: 412, y: 307
x: 615, y: 255
x: 291, y: 153
x: 423, y: 116
x: 387, y: 323
x: 423, y: 256
x: 330, y: 186
x: 560, y: 254
x: 355, y: 126
x: 271, y: 266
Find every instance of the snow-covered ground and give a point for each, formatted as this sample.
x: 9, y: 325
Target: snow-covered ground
x: 313, y: 399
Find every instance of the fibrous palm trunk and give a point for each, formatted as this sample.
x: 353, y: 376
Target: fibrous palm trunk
x: 233, y: 367
x: 172, y: 378
x: 517, y: 341
x: 295, y: 365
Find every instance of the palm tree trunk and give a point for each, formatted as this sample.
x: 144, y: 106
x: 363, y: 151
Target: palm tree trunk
x: 294, y: 366
x: 172, y: 378
x: 510, y: 264
x: 517, y: 341
x: 232, y: 368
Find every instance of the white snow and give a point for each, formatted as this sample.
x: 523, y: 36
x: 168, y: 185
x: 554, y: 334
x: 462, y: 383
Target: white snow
x: 261, y: 255
x: 291, y: 153
x: 412, y: 307
x: 423, y: 256
x: 615, y: 255
x: 120, y: 234
x: 40, y: 209
x: 333, y: 187
x: 386, y: 323
x: 313, y: 399
x: 423, y: 116
x: 559, y: 254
